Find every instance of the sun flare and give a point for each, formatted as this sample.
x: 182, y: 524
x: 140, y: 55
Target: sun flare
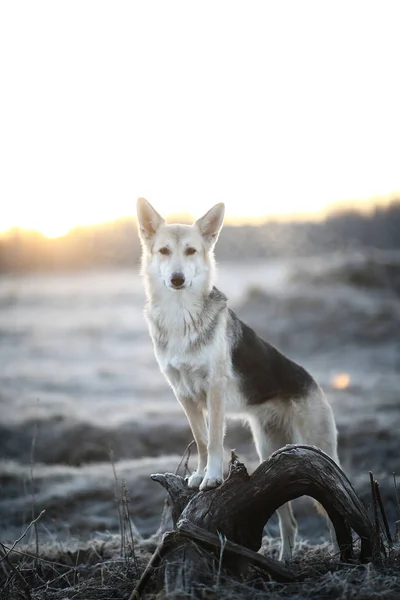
x: 53, y: 230
x: 51, y: 227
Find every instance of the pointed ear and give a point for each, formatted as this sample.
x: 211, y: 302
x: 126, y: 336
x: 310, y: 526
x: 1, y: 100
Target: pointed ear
x: 211, y: 223
x: 148, y: 219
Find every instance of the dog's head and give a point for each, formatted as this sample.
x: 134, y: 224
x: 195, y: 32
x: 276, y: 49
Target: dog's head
x: 178, y: 256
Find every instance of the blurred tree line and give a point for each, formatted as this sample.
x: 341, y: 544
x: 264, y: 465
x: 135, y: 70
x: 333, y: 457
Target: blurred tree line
x: 116, y: 244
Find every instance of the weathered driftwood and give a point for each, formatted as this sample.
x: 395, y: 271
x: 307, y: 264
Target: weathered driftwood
x: 240, y: 508
x: 183, y: 562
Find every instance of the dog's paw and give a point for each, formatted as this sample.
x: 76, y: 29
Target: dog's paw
x: 285, y: 554
x: 195, y: 480
x: 210, y: 482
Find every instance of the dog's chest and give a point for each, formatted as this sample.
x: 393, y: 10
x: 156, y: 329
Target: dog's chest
x: 177, y: 352
x: 183, y: 356
x: 185, y: 364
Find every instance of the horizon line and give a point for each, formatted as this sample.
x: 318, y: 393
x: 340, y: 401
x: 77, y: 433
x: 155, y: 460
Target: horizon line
x: 359, y: 206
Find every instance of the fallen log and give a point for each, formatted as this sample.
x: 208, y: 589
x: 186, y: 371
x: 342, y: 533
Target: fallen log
x: 180, y: 559
x: 233, y: 517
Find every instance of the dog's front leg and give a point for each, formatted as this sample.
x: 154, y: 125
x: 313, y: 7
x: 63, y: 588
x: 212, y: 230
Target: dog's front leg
x: 216, y: 430
x: 194, y: 411
x: 194, y: 408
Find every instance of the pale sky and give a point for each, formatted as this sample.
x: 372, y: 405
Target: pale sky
x: 271, y: 107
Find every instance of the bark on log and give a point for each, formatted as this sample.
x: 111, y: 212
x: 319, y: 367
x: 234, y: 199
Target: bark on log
x: 182, y: 562
x: 243, y: 504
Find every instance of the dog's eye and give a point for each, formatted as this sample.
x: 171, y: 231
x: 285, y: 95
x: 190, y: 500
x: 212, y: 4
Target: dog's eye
x: 165, y: 251
x: 190, y: 251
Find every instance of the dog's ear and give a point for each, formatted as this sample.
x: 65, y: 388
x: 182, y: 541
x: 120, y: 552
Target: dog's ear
x: 148, y: 219
x: 210, y: 224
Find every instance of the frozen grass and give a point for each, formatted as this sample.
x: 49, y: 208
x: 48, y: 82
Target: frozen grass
x: 105, y: 569
x: 98, y: 571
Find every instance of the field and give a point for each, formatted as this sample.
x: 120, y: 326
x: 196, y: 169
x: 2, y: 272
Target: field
x: 86, y: 417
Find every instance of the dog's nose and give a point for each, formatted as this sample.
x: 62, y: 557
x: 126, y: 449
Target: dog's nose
x: 177, y: 279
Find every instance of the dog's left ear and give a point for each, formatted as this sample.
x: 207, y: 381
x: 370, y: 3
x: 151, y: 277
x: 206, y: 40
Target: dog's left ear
x: 210, y: 224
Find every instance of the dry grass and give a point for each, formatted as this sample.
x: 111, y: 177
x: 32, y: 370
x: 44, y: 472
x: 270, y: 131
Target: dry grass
x: 94, y: 571
x: 103, y: 570
x: 97, y: 571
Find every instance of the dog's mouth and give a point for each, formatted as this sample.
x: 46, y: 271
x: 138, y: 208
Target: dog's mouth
x: 178, y: 287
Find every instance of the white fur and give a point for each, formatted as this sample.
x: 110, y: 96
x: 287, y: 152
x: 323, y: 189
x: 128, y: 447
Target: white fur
x: 203, y: 379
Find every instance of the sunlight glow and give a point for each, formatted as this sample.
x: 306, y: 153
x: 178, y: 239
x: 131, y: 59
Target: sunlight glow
x: 276, y: 109
x: 341, y: 381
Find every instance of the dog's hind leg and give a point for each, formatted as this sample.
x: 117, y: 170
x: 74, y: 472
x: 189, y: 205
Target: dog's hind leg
x: 288, y: 529
x: 316, y: 426
x: 267, y: 441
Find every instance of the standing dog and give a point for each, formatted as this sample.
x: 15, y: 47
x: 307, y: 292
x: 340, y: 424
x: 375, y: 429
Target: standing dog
x: 215, y: 363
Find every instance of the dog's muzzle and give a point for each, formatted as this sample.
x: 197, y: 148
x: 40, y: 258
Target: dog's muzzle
x: 177, y: 280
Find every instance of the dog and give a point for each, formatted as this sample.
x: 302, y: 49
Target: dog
x: 215, y: 363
